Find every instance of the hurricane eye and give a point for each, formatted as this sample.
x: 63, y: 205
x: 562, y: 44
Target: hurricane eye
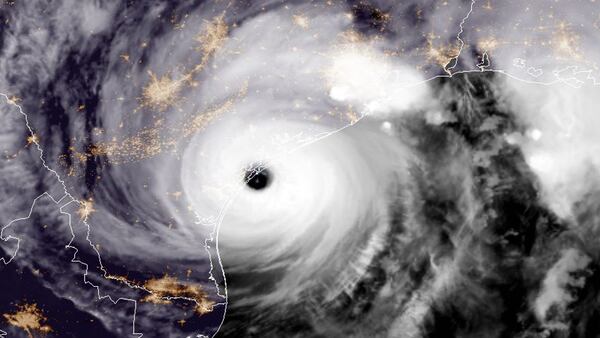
x: 257, y: 177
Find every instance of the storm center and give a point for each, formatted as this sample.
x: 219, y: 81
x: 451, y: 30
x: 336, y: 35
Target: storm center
x: 257, y: 177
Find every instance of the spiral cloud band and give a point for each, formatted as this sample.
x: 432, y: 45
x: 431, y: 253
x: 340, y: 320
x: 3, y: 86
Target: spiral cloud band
x: 305, y: 221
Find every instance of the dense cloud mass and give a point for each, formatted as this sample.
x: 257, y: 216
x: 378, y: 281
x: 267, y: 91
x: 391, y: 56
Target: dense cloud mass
x: 299, y: 169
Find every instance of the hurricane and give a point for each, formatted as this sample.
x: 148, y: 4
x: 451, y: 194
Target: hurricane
x: 299, y: 169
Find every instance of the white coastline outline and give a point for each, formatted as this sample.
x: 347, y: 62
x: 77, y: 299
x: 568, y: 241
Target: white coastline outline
x: 74, y: 259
